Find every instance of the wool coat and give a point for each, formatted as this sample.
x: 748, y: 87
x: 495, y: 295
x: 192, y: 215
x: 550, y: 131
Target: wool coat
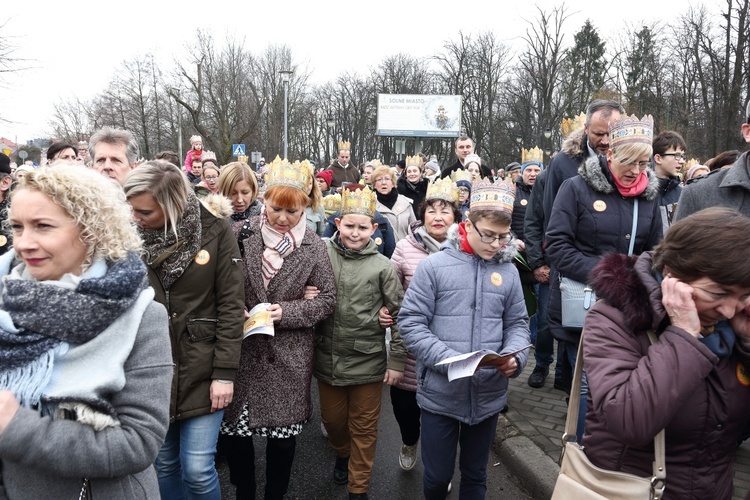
x: 457, y: 303
x: 350, y: 343
x: 400, y: 216
x: 636, y: 389
x: 205, y: 309
x: 341, y: 174
x: 720, y: 188
x: 275, y: 372
x: 589, y: 219
x: 45, y: 458
x: 534, y: 224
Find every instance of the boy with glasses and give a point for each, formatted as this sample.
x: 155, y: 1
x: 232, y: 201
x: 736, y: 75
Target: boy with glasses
x: 462, y: 299
x: 669, y: 159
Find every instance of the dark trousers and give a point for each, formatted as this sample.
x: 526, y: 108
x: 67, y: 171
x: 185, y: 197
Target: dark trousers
x: 240, y: 455
x: 407, y: 414
x: 544, y: 343
x: 440, y: 438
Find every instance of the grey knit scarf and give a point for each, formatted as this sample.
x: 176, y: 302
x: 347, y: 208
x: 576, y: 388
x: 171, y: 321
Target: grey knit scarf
x: 169, y: 255
x: 37, y: 316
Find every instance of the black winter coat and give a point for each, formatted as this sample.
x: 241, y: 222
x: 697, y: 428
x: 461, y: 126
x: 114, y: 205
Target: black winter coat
x: 589, y: 219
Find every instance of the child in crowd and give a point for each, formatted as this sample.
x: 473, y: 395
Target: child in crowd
x: 462, y: 299
x: 462, y: 178
x: 194, y: 153
x: 350, y: 354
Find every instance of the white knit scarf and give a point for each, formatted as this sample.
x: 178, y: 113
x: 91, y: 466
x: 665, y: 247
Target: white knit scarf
x: 278, y: 245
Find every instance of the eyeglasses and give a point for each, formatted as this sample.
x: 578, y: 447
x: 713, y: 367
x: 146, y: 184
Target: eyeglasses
x: 211, y: 177
x: 503, y: 238
x: 642, y: 165
x: 464, y: 190
x: 383, y: 180
x: 677, y: 156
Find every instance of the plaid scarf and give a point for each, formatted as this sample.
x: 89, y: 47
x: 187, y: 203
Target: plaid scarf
x: 278, y: 245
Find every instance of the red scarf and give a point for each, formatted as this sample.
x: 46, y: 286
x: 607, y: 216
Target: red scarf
x: 464, y: 240
x: 633, y: 190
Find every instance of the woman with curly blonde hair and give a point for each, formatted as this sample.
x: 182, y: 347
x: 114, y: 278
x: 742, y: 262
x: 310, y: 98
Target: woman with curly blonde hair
x: 85, y: 362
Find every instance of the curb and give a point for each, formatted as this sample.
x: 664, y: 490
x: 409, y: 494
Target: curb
x: 535, y: 470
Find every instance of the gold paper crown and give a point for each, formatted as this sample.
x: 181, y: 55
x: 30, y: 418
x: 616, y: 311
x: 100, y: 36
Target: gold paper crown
x: 690, y: 163
x: 533, y: 154
x: 442, y: 189
x: 375, y: 163
x: 283, y: 173
x: 414, y: 161
x: 497, y: 197
x: 345, y: 145
x: 568, y: 125
x: 631, y: 130
x: 360, y: 201
x: 461, y: 175
x: 332, y: 203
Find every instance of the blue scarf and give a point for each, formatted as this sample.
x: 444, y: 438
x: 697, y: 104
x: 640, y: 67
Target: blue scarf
x: 721, y: 341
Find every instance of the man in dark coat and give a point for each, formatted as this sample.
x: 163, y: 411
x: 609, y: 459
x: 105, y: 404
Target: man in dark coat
x: 342, y: 168
x: 726, y: 187
x: 464, y: 147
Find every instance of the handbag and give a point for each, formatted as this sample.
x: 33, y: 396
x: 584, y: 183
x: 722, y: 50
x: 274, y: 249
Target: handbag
x: 576, y: 298
x: 579, y: 479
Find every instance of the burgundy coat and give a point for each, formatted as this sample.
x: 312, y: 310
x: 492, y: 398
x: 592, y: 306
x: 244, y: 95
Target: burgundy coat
x: 636, y: 389
x: 275, y: 372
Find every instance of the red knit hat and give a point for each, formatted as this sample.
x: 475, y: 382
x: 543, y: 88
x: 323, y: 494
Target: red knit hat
x: 326, y: 175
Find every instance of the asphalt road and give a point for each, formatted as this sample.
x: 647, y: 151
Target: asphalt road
x: 313, y: 467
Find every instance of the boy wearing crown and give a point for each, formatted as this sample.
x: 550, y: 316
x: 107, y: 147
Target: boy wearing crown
x: 462, y: 299
x: 350, y: 355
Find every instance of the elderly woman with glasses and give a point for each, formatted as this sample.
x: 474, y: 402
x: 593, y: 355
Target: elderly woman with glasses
x: 394, y: 206
x: 593, y: 214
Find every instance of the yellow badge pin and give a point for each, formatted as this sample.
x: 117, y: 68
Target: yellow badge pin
x: 496, y: 279
x: 202, y: 258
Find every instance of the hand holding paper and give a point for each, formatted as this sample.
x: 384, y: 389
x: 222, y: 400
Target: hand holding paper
x: 464, y: 365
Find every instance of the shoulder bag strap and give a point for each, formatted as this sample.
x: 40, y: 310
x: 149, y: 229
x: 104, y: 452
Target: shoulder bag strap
x: 635, y: 226
x: 571, y: 421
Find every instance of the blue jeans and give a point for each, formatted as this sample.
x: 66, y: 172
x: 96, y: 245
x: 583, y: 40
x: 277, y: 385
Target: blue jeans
x: 185, y: 464
x: 544, y: 346
x: 440, y: 437
x: 571, y: 351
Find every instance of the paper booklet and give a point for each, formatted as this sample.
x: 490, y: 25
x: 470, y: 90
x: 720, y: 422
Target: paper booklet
x: 464, y: 365
x: 259, y: 322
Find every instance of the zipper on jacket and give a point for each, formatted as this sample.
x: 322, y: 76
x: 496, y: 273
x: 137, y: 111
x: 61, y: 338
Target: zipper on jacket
x: 213, y: 320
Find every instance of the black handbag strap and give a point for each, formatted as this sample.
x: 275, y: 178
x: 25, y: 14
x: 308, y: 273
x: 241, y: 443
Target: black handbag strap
x: 571, y: 421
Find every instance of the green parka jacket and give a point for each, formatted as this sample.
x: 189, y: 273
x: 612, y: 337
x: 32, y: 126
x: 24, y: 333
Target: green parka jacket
x: 205, y: 308
x: 350, y: 344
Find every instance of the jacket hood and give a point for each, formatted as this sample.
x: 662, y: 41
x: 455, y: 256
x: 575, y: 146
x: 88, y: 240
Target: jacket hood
x: 575, y: 144
x: 627, y: 283
x: 218, y: 205
x: 593, y: 172
x: 505, y: 254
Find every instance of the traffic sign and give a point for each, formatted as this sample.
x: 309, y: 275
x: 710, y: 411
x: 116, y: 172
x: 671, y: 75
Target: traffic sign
x: 238, y: 150
x: 23, y: 154
x: 255, y: 156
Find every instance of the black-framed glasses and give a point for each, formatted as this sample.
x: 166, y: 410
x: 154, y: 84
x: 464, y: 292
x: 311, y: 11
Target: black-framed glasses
x: 503, y: 238
x: 677, y: 156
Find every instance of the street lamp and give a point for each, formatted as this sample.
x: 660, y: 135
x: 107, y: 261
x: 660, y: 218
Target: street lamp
x: 176, y: 92
x: 547, y: 135
x: 285, y: 76
x: 330, y: 123
x: 519, y: 140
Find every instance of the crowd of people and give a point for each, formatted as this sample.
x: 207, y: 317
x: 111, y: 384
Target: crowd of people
x: 146, y: 362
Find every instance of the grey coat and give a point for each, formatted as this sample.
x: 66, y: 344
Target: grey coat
x: 45, y: 458
x: 729, y: 187
x: 459, y: 303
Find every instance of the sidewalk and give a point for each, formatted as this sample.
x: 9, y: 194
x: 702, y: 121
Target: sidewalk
x: 529, y: 437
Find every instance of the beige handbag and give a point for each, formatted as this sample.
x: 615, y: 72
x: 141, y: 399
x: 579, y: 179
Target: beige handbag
x: 579, y: 479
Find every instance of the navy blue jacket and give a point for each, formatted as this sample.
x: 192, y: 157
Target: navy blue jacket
x: 383, y: 235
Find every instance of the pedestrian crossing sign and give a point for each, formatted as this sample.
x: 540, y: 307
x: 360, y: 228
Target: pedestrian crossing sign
x: 238, y: 150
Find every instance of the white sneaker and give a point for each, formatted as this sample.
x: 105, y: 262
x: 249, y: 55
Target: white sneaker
x: 323, y: 431
x: 407, y: 459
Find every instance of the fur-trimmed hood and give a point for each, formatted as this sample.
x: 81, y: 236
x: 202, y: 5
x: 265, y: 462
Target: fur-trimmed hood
x: 575, y: 144
x: 218, y: 205
x: 628, y: 283
x: 506, y: 253
x: 593, y: 172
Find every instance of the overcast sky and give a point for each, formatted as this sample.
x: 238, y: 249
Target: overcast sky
x: 73, y: 48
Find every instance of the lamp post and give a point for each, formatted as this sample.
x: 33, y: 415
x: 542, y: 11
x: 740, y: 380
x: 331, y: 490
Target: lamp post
x: 519, y: 140
x: 547, y: 135
x: 176, y: 92
x: 330, y: 123
x: 285, y: 76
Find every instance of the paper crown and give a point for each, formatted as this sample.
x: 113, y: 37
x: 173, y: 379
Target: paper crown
x: 442, y: 189
x: 283, y: 173
x: 374, y: 163
x: 360, y: 201
x: 345, y: 145
x: 332, y: 203
x: 533, y: 154
x: 631, y: 130
x: 569, y: 125
x: 414, y: 161
x: 208, y: 155
x: 496, y: 197
x: 461, y: 175
x: 690, y: 163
